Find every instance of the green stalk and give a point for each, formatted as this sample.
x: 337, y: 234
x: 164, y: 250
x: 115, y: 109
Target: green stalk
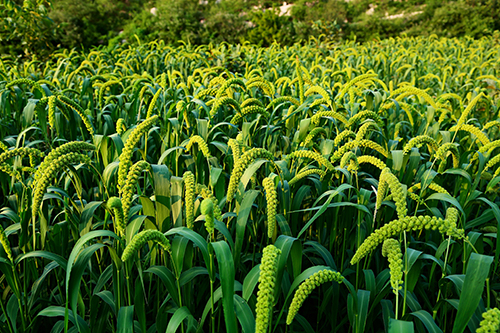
x: 21, y: 309
x: 212, y: 293
x: 357, y: 246
x: 488, y: 300
x: 397, y: 303
x: 118, y: 300
x: 128, y: 283
x: 406, y: 277
x: 6, y: 319
x: 434, y: 313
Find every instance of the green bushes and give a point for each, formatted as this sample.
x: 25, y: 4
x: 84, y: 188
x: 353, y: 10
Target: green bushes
x: 38, y: 27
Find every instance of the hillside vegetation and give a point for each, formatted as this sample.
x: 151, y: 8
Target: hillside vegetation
x: 38, y: 27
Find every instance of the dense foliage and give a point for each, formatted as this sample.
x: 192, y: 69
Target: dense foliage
x: 319, y: 188
x: 38, y: 27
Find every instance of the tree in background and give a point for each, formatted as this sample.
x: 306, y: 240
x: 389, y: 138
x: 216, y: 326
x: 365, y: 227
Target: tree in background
x: 88, y: 23
x: 25, y: 28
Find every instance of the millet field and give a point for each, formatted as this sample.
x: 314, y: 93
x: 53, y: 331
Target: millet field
x: 329, y: 187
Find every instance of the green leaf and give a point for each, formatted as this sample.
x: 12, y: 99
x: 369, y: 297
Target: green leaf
x: 108, y: 298
x: 227, y: 276
x: 71, y: 261
x: 161, y: 177
x: 496, y: 213
x: 427, y: 320
x: 241, y: 222
x: 325, y: 206
x: 448, y: 198
x: 400, y: 326
x: 12, y: 310
x: 179, y: 316
x: 168, y: 280
x: 176, y: 187
x: 358, y: 314
x: 251, y: 280
x: 125, y: 321
x: 58, y: 311
x: 478, y: 269
x: 244, y: 314
x: 43, y: 254
x: 199, y: 241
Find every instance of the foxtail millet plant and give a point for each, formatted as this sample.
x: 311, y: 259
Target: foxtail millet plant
x: 272, y: 205
x: 306, y: 287
x: 207, y: 209
x: 129, y: 188
x: 490, y: 322
x: 142, y: 238
x: 265, y: 295
x: 244, y: 161
x: 202, y: 145
x: 447, y: 226
x: 189, y: 197
x: 126, y: 155
x: 116, y: 205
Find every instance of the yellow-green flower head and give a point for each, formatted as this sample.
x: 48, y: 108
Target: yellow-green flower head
x: 306, y: 173
x: 205, y: 193
x: 310, y: 137
x: 345, y: 134
x: 261, y: 83
x: 78, y: 109
x: 189, y: 197
x: 228, y: 83
x: 251, y: 101
x: 7, y: 154
x: 333, y: 114
x: 219, y: 102
x: 447, y: 226
x: 358, y: 117
x: 490, y: 322
x: 443, y: 152
x: 272, y: 205
x: 6, y: 244
x: 50, y: 172
x: 350, y: 158
x: 307, y: 287
x: 207, y: 209
x: 362, y: 143
x: 265, y: 295
x: 126, y: 155
x: 4, y: 167
x: 202, y: 145
x: 116, y: 204
x: 28, y: 82
x: 311, y: 155
x: 372, y: 160
x: 51, y: 100
x: 129, y: 189
x: 389, y: 180
x: 152, y: 104
x: 3, y: 147
x: 120, y: 126
x: 480, y: 135
x: 142, y: 238
x: 418, y: 142
x: 74, y: 146
x: 244, y: 161
x: 235, y: 148
x: 392, y: 250
x: 252, y: 109
x: 364, y: 129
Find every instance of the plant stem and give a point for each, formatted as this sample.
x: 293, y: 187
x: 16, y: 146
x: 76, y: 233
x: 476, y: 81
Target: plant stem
x: 406, y: 275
